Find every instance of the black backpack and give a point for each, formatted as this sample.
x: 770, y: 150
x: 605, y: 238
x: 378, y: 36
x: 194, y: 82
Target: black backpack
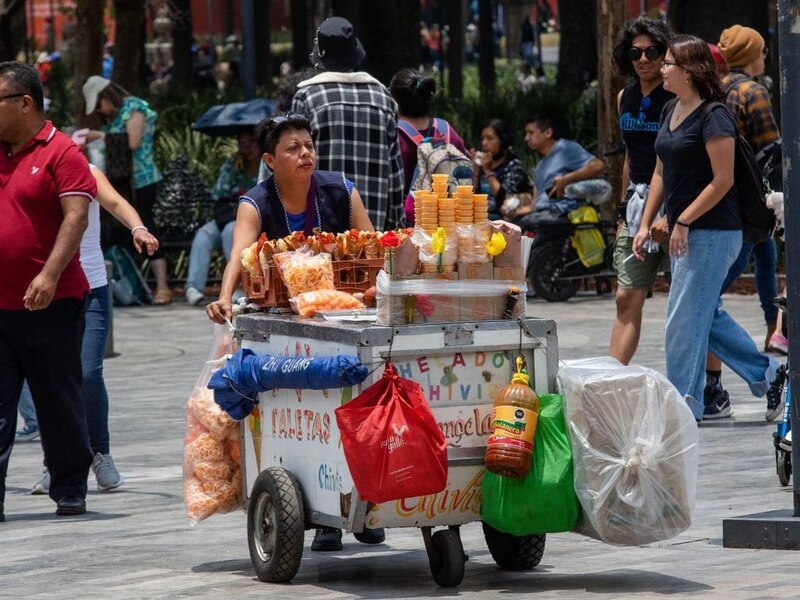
x: 752, y: 188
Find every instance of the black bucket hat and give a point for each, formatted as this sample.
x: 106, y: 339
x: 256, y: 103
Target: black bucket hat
x: 336, y: 47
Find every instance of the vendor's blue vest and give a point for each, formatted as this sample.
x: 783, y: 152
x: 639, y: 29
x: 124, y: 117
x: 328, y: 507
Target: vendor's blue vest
x: 333, y: 203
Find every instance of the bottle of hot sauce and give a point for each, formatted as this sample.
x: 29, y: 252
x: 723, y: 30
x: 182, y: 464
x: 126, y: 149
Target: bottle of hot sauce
x: 514, y: 418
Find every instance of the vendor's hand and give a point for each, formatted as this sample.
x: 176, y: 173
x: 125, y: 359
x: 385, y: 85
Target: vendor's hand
x: 40, y: 292
x: 638, y: 242
x: 660, y: 230
x: 220, y: 310
x: 559, y: 185
x: 143, y: 238
x: 679, y: 241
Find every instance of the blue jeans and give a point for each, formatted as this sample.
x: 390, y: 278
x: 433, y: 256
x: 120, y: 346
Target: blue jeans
x: 93, y: 389
x: 697, y: 323
x: 26, y: 408
x: 205, y: 241
x: 766, y: 262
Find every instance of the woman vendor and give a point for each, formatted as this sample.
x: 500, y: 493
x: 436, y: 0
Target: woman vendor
x: 294, y: 198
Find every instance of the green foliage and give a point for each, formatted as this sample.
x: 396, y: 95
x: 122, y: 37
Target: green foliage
x: 205, y: 154
x: 174, y: 135
x: 59, y: 90
x: 576, y: 116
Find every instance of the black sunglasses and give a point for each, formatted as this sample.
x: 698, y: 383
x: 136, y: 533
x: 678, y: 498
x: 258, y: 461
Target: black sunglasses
x: 12, y: 96
x: 651, y: 53
x: 294, y: 117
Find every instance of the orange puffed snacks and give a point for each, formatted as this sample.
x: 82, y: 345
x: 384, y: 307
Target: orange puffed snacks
x: 303, y: 272
x: 309, y: 303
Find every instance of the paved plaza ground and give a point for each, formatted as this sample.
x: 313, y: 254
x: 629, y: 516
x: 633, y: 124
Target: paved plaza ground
x: 137, y: 542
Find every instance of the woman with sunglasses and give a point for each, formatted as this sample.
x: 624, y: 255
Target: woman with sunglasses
x: 295, y: 197
x: 693, y: 179
x: 638, y: 55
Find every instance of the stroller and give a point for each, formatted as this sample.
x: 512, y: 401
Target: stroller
x: 782, y: 437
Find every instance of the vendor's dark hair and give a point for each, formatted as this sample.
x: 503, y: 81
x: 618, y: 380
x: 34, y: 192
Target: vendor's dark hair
x: 503, y: 131
x: 270, y: 130
x: 413, y: 92
x: 23, y: 79
x: 114, y: 93
x: 692, y: 55
x: 656, y: 30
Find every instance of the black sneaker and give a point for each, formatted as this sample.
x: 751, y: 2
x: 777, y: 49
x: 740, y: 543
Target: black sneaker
x: 716, y: 400
x: 327, y: 539
x: 775, y: 402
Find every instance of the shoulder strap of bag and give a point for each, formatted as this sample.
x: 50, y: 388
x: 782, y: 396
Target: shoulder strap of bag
x: 410, y: 131
x: 442, y: 127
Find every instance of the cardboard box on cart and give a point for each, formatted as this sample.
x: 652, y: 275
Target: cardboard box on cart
x: 476, y: 308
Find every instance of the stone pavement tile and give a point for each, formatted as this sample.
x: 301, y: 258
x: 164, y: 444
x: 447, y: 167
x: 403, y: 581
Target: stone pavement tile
x: 137, y: 542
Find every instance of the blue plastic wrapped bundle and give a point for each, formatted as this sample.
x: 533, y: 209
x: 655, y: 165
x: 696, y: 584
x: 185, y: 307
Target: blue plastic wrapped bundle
x: 237, y: 385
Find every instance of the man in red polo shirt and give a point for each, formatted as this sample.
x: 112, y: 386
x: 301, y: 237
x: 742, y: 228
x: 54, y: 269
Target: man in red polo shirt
x: 45, y: 189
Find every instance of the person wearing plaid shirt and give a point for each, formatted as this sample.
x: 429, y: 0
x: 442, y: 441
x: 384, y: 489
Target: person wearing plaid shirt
x: 354, y: 120
x: 745, y: 52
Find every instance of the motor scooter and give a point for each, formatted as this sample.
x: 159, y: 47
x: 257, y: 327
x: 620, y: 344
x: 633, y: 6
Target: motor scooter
x: 559, y: 261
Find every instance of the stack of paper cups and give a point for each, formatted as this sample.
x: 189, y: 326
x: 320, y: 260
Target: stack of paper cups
x: 426, y: 212
x: 439, y: 184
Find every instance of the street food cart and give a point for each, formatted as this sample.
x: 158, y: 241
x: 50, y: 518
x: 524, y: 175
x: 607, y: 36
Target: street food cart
x: 295, y: 475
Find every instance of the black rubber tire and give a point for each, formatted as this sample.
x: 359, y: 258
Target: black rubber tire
x: 546, y: 267
x: 783, y: 464
x: 447, y: 567
x: 514, y: 553
x: 275, y: 526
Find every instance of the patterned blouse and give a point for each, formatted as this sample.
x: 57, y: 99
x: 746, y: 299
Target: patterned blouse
x: 145, y: 170
x: 513, y: 180
x: 231, y: 182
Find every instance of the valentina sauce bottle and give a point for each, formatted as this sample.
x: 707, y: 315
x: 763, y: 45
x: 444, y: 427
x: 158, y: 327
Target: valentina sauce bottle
x: 514, y: 418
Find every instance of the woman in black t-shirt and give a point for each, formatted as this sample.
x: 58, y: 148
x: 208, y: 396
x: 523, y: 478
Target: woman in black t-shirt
x: 638, y: 54
x: 693, y: 178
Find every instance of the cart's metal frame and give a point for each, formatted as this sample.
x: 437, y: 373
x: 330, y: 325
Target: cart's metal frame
x: 537, y: 339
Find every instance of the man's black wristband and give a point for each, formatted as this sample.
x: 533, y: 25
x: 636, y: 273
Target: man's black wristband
x: 681, y: 223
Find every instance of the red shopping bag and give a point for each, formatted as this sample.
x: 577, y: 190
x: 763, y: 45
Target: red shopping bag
x: 392, y: 444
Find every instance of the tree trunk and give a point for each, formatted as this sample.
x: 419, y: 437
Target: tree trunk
x: 263, y: 49
x: 302, y: 32
x: 88, y: 52
x: 455, y: 49
x: 13, y: 26
x: 707, y: 19
x: 129, y: 44
x: 515, y: 14
x: 486, y: 71
x: 611, y: 19
x: 182, y: 72
x: 228, y: 15
x: 389, y: 32
x: 577, y: 64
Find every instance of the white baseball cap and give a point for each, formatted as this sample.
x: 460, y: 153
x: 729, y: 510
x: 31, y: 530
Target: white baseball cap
x: 93, y: 86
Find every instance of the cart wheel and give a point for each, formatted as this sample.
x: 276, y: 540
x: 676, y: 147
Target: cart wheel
x: 783, y: 461
x: 514, y: 553
x: 275, y: 526
x: 447, y: 558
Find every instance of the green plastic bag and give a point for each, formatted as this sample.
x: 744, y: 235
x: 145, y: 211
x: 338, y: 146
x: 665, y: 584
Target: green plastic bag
x: 543, y: 501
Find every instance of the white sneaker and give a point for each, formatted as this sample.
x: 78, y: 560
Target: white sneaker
x: 42, y: 487
x: 108, y: 478
x: 194, y: 296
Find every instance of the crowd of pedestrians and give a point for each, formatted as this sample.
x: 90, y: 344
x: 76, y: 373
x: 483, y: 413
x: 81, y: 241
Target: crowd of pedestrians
x: 342, y: 156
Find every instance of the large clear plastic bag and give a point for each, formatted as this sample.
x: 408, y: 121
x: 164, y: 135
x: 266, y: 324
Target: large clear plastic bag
x: 635, y: 451
x: 212, y: 476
